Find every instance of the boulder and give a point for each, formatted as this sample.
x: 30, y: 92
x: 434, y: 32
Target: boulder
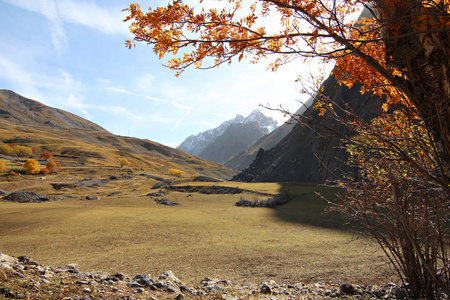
x: 166, y: 201
x: 26, y: 197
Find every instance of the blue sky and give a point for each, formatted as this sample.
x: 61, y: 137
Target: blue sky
x: 70, y: 54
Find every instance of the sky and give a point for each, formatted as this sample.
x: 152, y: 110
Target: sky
x: 71, y: 55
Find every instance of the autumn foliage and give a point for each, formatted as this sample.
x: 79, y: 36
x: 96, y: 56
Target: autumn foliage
x: 2, y: 166
x: 46, y: 155
x: 32, y: 166
x: 123, y: 162
x: 53, y: 166
x: 176, y: 172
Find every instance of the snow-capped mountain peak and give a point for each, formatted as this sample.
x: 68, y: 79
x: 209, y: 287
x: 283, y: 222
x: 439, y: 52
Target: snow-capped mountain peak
x: 194, y: 144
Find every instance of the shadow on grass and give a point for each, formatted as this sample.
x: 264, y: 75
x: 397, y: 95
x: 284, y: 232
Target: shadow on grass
x: 306, y: 207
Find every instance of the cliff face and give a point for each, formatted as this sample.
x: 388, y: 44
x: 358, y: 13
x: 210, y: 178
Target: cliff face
x: 307, y: 155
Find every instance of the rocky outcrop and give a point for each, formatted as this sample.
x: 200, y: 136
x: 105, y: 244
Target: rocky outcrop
x: 272, y: 202
x: 307, y: 155
x: 24, y: 278
x: 26, y: 197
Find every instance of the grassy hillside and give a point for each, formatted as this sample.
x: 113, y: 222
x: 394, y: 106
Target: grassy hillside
x: 76, y: 142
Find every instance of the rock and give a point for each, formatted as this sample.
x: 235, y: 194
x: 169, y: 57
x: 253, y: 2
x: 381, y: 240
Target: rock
x: 213, y: 288
x: 265, y: 289
x: 7, y: 260
x: 159, y: 193
x: 59, y: 186
x: 206, y: 179
x: 26, y: 197
x: 166, y: 201
x: 142, y: 281
x: 26, y: 260
x: 92, y: 198
x: 70, y: 268
x: 3, y: 193
x: 347, y: 289
x: 272, y: 202
x: 179, y: 297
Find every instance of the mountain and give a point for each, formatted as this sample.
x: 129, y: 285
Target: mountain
x: 306, y: 155
x: 19, y: 110
x: 244, y: 158
x: 231, y: 137
x: 73, y: 139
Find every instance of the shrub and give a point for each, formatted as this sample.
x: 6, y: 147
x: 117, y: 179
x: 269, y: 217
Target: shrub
x: 32, y: 166
x: 2, y: 166
x: 5, y: 149
x: 45, y: 171
x: 22, y: 151
x: 46, y: 155
x: 123, y: 162
x: 12, y: 173
x: 176, y: 172
x: 53, y: 166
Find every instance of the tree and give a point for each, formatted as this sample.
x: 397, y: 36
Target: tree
x: 46, y: 155
x: 5, y: 149
x: 400, y: 51
x: 53, y: 166
x: 22, y: 151
x: 123, y: 162
x: 32, y: 166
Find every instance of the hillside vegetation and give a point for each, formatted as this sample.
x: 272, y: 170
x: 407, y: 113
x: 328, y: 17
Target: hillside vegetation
x: 76, y: 142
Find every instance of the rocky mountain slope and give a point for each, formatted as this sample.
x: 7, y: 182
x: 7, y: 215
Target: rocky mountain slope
x: 19, y: 110
x: 305, y: 155
x: 243, y: 159
x: 30, y: 123
x: 231, y: 137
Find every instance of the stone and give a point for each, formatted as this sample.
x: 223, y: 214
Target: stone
x: 265, y: 289
x: 3, y: 193
x: 142, y: 281
x: 166, y: 201
x: 347, y: 289
x: 26, y: 260
x: 26, y: 197
x: 92, y: 198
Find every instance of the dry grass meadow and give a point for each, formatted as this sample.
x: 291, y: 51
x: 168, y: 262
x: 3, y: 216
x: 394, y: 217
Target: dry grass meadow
x: 126, y: 231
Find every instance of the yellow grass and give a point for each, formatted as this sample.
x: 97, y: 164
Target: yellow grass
x: 207, y: 236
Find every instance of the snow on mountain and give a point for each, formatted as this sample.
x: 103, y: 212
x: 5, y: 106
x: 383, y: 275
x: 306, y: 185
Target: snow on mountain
x: 195, y: 144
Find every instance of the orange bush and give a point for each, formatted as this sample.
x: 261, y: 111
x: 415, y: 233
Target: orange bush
x: 32, y: 166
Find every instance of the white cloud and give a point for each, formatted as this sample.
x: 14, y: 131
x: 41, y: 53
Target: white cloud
x: 74, y: 102
x: 173, y: 103
x: 89, y: 14
x: 84, y: 13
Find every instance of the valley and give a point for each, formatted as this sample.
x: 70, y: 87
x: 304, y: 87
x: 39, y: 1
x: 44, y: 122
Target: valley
x: 103, y: 214
x: 127, y: 231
